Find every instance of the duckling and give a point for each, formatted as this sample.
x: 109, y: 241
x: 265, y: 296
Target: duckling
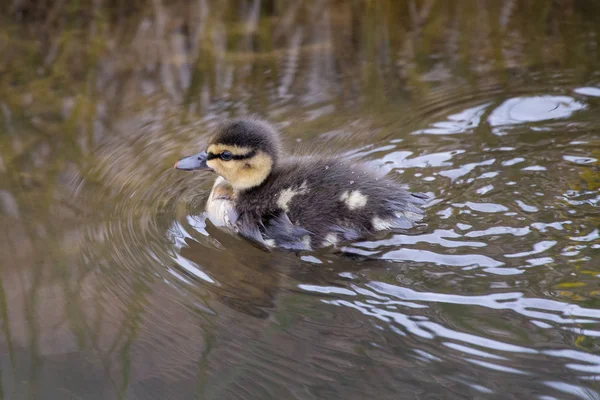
x: 297, y: 203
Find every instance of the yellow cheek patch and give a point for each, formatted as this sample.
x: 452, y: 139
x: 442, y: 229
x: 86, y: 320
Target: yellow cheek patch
x: 235, y: 150
x: 246, y: 177
x: 213, y: 164
x: 224, y: 168
x: 243, y: 174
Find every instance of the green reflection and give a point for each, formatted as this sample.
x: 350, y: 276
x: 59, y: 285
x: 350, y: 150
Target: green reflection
x: 98, y: 98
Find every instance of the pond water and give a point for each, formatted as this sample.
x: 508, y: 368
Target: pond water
x: 114, y: 285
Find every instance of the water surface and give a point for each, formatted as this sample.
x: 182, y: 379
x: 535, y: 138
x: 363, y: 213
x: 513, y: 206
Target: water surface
x: 114, y: 285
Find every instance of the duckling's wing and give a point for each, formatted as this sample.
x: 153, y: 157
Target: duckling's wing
x: 285, y: 234
x: 250, y: 230
x: 278, y: 231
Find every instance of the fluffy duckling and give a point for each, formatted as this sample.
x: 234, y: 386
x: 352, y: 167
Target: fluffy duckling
x: 296, y: 203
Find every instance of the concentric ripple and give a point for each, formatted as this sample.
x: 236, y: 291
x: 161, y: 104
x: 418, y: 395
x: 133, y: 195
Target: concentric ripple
x: 499, y: 283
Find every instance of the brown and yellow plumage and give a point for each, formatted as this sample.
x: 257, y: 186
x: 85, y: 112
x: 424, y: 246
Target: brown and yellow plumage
x: 296, y: 202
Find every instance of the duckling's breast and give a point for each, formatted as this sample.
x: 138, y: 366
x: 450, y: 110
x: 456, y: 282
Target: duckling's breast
x: 220, y: 207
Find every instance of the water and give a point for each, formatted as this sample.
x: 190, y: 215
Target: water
x: 113, y: 284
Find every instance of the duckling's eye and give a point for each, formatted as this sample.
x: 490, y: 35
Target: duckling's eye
x: 226, y: 155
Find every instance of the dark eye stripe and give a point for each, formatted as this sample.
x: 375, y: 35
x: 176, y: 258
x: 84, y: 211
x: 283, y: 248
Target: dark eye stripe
x: 210, y: 156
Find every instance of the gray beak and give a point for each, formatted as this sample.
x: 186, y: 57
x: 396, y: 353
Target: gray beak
x: 195, y: 162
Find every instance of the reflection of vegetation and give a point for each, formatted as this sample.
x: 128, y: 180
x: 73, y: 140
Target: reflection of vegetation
x: 590, y: 177
x: 70, y: 72
x: 123, y: 74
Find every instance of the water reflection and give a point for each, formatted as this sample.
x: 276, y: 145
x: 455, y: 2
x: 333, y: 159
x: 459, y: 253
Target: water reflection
x: 114, y: 285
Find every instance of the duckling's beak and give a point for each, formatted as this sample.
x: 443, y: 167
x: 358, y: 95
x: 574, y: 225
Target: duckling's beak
x: 195, y: 162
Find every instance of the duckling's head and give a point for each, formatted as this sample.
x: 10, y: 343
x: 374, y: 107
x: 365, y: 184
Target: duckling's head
x: 242, y: 151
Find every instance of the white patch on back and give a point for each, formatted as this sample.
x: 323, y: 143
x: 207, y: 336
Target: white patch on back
x: 354, y: 199
x: 330, y: 240
x: 270, y: 242
x: 286, y: 195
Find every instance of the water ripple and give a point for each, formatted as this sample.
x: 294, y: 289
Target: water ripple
x: 496, y: 279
